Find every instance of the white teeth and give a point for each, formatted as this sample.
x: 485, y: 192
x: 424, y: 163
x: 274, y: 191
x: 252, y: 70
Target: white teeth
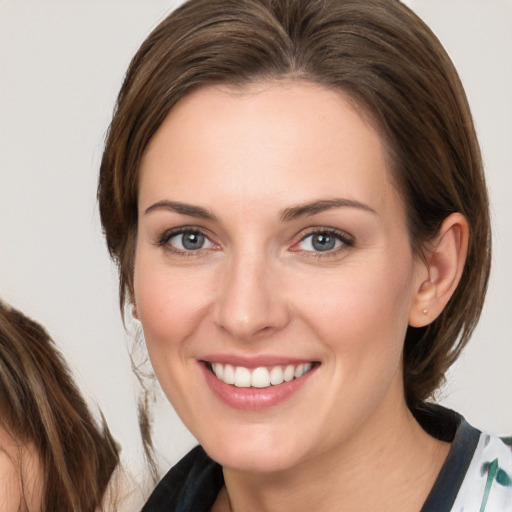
x: 260, y: 377
x: 229, y: 374
x: 218, y: 369
x: 302, y: 369
x: 299, y: 371
x: 289, y: 373
x: 276, y: 376
x: 242, y: 377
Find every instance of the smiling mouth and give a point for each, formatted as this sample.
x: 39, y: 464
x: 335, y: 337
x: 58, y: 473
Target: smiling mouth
x: 261, y: 377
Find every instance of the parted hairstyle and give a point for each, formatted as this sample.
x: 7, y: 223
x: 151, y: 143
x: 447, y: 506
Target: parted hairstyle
x: 378, y: 53
x: 40, y: 404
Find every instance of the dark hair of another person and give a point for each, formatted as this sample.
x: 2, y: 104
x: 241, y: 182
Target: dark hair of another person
x: 378, y: 53
x: 40, y: 403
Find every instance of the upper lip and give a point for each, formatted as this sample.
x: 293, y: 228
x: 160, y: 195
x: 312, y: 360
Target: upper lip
x: 255, y: 361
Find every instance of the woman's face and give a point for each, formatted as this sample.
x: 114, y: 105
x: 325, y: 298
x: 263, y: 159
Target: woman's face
x: 272, y: 246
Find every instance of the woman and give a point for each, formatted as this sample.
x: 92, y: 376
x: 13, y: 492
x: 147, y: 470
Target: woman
x: 293, y: 192
x: 53, y: 456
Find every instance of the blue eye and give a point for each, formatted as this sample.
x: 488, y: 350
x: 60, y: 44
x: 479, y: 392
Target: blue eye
x: 186, y: 241
x: 323, y: 241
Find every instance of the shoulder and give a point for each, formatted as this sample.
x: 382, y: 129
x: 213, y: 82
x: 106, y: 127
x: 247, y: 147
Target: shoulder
x: 191, y: 485
x: 488, y: 480
x: 477, y: 474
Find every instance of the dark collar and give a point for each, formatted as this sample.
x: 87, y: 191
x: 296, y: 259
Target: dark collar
x: 450, y: 426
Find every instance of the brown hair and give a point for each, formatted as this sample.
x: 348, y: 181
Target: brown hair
x: 376, y: 51
x: 39, y: 403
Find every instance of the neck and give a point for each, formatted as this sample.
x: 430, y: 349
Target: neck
x: 390, y: 463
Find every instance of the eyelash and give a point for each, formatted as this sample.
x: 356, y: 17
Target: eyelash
x: 164, y: 238
x: 341, y: 236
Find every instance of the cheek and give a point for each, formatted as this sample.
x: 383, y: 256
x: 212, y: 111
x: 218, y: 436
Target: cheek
x: 170, y: 302
x: 361, y: 312
x: 169, y: 307
x: 360, y: 316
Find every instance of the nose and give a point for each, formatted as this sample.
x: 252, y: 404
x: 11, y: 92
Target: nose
x: 250, y: 301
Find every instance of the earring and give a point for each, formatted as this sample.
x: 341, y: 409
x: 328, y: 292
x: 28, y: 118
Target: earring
x: 425, y: 311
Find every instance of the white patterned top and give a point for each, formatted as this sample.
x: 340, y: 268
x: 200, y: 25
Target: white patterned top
x: 487, y: 486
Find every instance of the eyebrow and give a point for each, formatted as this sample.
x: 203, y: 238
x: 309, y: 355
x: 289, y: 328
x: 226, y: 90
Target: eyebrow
x: 307, y: 209
x: 285, y: 215
x: 182, y: 208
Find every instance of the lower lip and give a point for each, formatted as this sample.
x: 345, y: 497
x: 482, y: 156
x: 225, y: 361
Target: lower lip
x: 254, y: 399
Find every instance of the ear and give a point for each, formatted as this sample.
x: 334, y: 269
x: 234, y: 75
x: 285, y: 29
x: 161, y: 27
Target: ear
x: 441, y: 270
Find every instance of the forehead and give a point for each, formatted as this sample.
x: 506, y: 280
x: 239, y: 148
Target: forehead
x: 293, y: 139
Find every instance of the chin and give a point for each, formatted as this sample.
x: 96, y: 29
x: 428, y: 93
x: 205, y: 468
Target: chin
x: 253, y: 461
x: 253, y: 450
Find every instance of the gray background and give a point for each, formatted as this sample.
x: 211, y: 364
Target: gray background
x: 61, y: 64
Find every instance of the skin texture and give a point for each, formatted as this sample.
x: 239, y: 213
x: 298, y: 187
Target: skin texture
x: 257, y: 288
x: 21, y: 475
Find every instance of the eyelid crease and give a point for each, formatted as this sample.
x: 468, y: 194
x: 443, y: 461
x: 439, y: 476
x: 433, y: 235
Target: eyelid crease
x: 347, y: 241
x: 169, y: 233
x: 162, y: 242
x: 163, y: 239
x: 345, y: 238
x: 339, y: 233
